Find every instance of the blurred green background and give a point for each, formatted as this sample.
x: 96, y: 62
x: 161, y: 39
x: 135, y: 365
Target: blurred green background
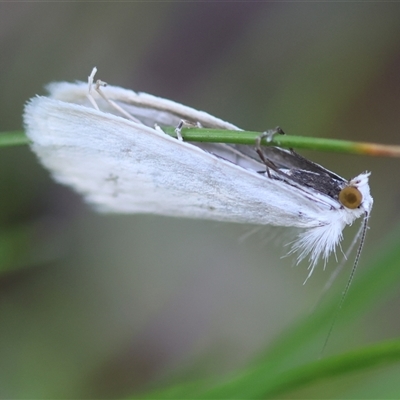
x: 103, y: 306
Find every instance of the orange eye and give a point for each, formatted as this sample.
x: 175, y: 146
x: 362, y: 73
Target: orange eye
x: 350, y: 197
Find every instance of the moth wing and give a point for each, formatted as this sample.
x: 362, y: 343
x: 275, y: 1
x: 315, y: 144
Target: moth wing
x: 152, y: 110
x: 126, y: 167
x: 147, y: 108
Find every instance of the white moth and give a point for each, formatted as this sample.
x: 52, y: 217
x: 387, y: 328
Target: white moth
x: 107, y: 146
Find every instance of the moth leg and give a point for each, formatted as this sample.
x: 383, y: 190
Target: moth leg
x: 185, y: 124
x: 97, y: 87
x: 269, y: 135
x: 90, y: 85
x: 158, y: 128
x: 178, y: 130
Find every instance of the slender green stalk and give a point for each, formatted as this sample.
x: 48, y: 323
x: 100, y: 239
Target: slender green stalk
x: 18, y: 138
x: 287, y: 141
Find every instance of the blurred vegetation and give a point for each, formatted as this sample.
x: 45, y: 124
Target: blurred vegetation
x: 98, y: 306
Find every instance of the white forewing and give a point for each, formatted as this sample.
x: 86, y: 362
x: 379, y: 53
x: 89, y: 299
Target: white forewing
x: 152, y: 108
x: 123, y: 166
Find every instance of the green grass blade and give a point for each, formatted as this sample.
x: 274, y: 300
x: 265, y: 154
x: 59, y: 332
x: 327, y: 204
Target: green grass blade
x: 262, y: 386
x: 276, y: 371
x: 372, y: 356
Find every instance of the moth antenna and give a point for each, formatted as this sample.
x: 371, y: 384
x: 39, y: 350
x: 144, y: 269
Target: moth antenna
x: 349, y: 281
x: 339, y: 268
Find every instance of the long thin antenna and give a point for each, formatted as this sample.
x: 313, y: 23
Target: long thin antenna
x: 338, y: 268
x: 350, y: 280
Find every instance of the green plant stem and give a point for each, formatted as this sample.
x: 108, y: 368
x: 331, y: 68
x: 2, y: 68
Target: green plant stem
x: 286, y: 141
x: 19, y: 138
x: 16, y: 138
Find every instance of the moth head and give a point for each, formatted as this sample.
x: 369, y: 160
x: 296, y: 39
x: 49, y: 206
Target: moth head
x: 350, y: 197
x: 356, y: 193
